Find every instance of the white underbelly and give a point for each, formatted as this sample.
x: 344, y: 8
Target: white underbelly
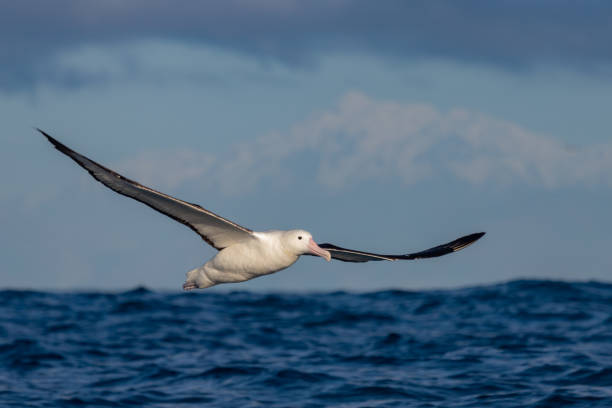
x: 241, y: 262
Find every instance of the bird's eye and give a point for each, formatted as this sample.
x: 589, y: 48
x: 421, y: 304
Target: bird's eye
x: 300, y: 237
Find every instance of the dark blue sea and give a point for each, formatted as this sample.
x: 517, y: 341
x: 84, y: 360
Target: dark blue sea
x: 519, y: 344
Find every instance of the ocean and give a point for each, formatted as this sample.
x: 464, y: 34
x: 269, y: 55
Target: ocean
x: 520, y: 344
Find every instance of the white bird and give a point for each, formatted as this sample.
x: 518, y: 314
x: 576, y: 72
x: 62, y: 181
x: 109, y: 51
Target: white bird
x: 243, y: 254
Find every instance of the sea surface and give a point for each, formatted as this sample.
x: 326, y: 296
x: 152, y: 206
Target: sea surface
x: 519, y: 344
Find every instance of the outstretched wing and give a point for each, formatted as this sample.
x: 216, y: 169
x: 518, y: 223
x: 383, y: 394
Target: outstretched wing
x: 214, y: 229
x: 350, y: 255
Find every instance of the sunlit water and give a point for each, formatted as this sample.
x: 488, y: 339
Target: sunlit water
x: 521, y: 344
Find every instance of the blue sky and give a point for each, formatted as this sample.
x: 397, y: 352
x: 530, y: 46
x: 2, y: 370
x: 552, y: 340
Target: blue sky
x: 390, y: 129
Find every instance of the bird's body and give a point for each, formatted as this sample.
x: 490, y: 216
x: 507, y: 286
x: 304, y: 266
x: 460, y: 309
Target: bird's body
x: 243, y: 254
x: 263, y: 254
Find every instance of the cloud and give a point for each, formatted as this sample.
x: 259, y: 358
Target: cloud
x: 33, y: 34
x: 169, y: 169
x: 364, y: 140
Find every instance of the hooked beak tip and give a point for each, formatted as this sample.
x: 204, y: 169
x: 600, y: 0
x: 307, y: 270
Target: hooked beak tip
x: 317, y: 250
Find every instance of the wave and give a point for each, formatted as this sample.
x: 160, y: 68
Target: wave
x: 527, y: 343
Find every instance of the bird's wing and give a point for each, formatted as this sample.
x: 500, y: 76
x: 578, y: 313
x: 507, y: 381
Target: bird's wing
x: 350, y: 255
x: 214, y: 229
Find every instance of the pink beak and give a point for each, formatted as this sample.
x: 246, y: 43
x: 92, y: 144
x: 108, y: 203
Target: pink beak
x: 317, y: 250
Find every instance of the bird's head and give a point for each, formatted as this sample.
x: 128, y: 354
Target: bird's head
x: 300, y: 242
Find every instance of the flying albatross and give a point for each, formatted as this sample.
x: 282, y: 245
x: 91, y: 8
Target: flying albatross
x: 243, y: 254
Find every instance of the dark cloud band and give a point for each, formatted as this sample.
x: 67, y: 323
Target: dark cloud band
x: 511, y: 34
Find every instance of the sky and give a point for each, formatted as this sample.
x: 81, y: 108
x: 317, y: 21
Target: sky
x: 389, y: 127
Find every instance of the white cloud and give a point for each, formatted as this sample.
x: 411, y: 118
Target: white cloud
x: 363, y: 140
x: 167, y: 169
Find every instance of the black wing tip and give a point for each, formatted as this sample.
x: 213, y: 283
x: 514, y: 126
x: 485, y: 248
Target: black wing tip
x: 477, y: 235
x: 466, y: 241
x: 45, y: 134
x: 56, y: 143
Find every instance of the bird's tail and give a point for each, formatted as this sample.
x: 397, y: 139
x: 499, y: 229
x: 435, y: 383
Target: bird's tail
x: 197, y: 279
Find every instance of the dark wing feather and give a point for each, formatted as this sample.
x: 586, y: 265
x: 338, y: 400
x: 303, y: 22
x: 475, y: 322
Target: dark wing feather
x: 350, y: 255
x: 214, y: 229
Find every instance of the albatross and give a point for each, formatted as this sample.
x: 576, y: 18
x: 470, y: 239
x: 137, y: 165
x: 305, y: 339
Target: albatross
x: 243, y: 254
